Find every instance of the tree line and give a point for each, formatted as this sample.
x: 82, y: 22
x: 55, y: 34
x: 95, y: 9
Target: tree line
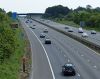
x: 91, y: 16
x: 7, y: 36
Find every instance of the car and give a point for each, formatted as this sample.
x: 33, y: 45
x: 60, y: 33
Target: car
x: 68, y: 70
x: 48, y: 21
x: 80, y: 30
x: 84, y: 35
x: 26, y: 21
x: 93, y: 32
x: 47, y: 41
x: 42, y: 35
x: 66, y: 27
x: 70, y: 30
x: 30, y: 21
x: 45, y: 30
x: 33, y: 27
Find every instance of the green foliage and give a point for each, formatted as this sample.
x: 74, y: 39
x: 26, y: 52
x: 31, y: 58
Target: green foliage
x: 11, y: 67
x: 9, y: 14
x: 56, y: 11
x: 7, y: 37
x: 90, y: 16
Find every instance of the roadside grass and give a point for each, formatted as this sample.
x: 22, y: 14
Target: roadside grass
x: 10, y: 69
x: 71, y: 23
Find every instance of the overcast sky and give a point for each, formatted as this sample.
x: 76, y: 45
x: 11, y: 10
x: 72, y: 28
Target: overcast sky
x: 39, y: 6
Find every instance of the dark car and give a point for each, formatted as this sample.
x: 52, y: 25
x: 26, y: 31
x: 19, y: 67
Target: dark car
x: 70, y: 30
x: 68, y: 70
x: 47, y: 41
x: 66, y: 27
x: 26, y: 21
x: 42, y: 35
x: 33, y: 27
x: 30, y: 21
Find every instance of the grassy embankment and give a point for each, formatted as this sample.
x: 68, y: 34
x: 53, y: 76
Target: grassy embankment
x: 11, y: 67
x: 71, y: 23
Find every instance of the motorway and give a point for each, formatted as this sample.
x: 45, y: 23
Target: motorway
x: 47, y: 60
x: 95, y: 38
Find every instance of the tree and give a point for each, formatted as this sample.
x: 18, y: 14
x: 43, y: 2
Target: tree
x: 9, y: 14
x: 56, y: 11
x: 7, y: 37
x: 80, y: 9
x: 88, y: 7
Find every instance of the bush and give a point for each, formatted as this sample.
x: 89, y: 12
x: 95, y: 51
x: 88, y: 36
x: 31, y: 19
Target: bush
x: 7, y: 39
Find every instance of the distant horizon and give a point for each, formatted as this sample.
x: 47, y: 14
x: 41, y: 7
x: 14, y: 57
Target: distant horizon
x: 39, y: 6
x: 50, y: 6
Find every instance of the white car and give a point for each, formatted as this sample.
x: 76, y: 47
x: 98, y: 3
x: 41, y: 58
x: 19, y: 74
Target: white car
x: 84, y: 35
x: 45, y: 30
x: 93, y: 32
x: 80, y: 30
x: 42, y: 35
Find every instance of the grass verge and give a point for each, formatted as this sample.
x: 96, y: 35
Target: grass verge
x: 10, y: 68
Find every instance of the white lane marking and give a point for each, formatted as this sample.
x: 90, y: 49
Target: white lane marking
x: 95, y: 67
x: 68, y: 60
x: 45, y: 53
x: 64, y: 55
x: 92, y: 50
x: 78, y: 74
x: 32, y: 63
x: 31, y: 75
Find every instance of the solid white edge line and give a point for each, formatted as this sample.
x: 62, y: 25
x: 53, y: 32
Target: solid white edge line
x: 32, y: 63
x: 31, y: 75
x: 93, y: 51
x: 45, y: 53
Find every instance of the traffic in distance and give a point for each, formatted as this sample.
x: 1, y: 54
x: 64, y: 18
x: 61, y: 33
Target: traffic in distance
x: 67, y: 69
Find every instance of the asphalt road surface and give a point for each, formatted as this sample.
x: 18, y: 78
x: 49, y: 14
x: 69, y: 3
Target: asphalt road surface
x: 95, y: 38
x: 62, y: 50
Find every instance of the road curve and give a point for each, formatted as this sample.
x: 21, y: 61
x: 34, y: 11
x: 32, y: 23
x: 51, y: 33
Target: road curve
x: 40, y: 66
x: 93, y: 38
x: 64, y: 49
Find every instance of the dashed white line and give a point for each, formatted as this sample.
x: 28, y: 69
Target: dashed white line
x: 64, y: 55
x: 95, y: 67
x: 68, y: 60
x: 78, y: 74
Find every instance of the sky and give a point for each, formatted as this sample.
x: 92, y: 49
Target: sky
x: 39, y: 6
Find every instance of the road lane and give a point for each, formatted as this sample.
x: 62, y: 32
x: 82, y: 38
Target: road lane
x: 93, y: 38
x: 87, y: 68
x: 64, y: 49
x: 40, y: 65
